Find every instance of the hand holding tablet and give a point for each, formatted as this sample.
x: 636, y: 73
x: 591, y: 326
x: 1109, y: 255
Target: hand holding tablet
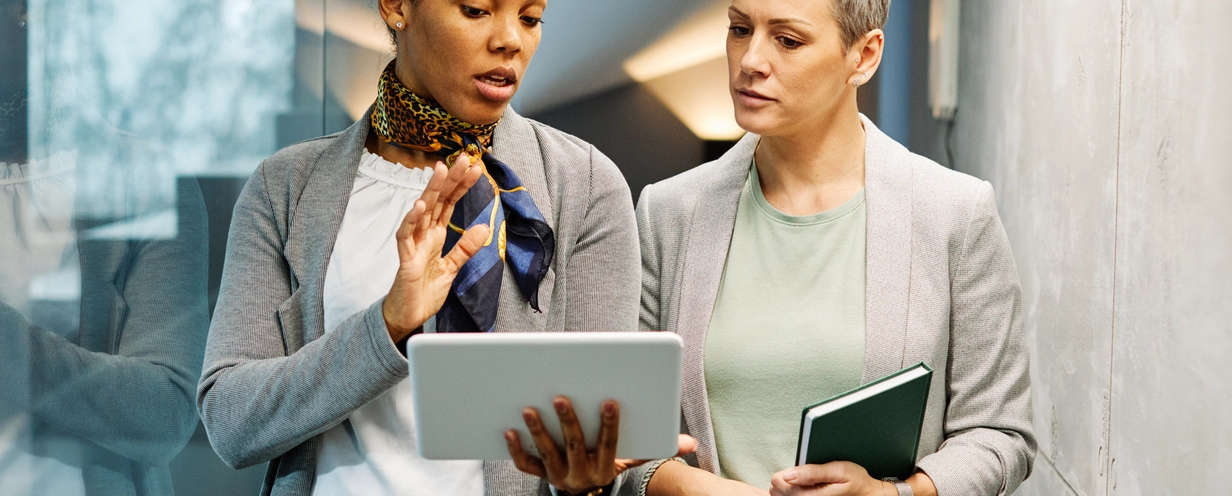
x: 574, y: 468
x: 615, y: 398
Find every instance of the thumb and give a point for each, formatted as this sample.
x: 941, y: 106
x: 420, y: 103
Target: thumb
x: 687, y: 445
x: 812, y: 475
x: 472, y: 240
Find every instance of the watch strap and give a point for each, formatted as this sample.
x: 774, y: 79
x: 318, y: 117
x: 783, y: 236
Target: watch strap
x: 598, y: 491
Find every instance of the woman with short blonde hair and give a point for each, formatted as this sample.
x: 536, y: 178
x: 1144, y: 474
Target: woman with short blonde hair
x: 818, y: 255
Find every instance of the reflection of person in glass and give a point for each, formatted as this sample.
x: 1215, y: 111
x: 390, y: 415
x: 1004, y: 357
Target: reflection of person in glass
x: 102, y: 329
x: 832, y: 256
x: 345, y: 247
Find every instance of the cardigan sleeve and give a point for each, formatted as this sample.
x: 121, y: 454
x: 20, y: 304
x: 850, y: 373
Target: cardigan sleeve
x: 602, y: 272
x: 989, y: 441
x: 258, y: 397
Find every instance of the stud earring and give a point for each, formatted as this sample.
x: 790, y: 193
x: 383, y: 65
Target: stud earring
x: 398, y: 24
x: 860, y: 80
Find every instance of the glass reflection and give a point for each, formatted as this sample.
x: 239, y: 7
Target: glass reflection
x: 110, y: 111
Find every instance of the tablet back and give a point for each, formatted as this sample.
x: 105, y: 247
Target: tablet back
x: 470, y: 388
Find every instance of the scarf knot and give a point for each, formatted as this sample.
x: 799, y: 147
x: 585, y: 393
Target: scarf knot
x: 520, y: 238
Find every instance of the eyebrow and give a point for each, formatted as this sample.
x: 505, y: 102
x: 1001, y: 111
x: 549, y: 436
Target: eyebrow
x: 789, y: 20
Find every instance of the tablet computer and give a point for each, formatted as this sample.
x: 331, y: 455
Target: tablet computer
x: 468, y: 389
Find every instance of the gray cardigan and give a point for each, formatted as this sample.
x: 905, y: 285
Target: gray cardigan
x: 273, y: 381
x: 942, y: 289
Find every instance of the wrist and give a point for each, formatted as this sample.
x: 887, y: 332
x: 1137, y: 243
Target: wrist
x: 895, y: 488
x: 595, y: 491
x: 397, y: 333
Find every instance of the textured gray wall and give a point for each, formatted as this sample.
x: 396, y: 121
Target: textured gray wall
x: 1104, y: 127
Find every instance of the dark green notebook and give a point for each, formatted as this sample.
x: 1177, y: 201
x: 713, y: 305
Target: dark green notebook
x: 876, y: 426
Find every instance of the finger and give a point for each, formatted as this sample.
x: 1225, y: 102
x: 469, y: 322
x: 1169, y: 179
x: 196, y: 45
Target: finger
x: 780, y: 487
x: 609, y: 432
x: 455, y: 177
x: 521, y: 459
x: 470, y: 243
x: 685, y: 444
x: 469, y: 178
x: 548, y: 452
x: 406, y: 242
x: 812, y: 475
x: 575, y: 440
x: 432, y: 192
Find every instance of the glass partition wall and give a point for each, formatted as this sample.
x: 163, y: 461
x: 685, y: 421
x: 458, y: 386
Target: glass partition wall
x: 127, y: 128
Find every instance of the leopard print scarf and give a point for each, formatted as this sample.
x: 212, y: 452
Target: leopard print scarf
x: 405, y: 119
x: 522, y: 238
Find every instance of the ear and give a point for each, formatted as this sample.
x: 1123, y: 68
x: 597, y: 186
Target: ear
x: 865, y: 54
x: 394, y: 12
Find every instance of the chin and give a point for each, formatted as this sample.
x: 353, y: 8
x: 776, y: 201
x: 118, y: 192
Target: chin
x: 477, y: 110
x: 756, y: 122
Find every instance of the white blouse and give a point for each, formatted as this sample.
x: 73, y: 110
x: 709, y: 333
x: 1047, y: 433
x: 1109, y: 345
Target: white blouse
x: 373, y: 451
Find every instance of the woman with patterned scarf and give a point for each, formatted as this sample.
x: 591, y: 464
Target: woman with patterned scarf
x: 344, y: 247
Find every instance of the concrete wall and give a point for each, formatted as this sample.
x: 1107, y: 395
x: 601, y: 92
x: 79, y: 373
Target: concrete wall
x: 1104, y: 127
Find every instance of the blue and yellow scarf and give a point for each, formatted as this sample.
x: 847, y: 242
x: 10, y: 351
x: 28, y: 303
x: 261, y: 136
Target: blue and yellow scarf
x: 520, y: 236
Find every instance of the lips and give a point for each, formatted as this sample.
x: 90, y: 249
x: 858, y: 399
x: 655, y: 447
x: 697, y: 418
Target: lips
x: 752, y: 98
x: 497, y: 84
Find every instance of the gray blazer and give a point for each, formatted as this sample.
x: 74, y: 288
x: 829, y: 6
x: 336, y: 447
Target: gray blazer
x: 942, y: 289
x: 273, y: 381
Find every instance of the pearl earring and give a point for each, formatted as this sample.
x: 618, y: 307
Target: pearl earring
x: 398, y: 24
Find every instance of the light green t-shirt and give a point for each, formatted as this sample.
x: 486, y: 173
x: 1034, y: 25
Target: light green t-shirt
x: 787, y: 329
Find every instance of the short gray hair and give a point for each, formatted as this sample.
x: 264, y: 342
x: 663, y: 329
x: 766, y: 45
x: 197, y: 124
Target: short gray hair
x: 857, y: 17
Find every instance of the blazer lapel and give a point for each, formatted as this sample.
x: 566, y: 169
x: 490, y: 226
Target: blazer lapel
x: 705, y: 252
x: 888, y: 185
x: 315, y: 220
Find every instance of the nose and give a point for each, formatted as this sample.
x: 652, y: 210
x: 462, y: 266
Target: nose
x: 752, y: 62
x: 507, y: 36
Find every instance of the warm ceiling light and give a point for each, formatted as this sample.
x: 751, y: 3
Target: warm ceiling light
x: 701, y: 37
x: 700, y: 98
x: 687, y: 71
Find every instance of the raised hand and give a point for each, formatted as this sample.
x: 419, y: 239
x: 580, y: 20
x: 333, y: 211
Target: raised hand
x: 424, y: 276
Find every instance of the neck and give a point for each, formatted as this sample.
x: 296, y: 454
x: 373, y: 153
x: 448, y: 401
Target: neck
x: 816, y: 169
x: 411, y: 159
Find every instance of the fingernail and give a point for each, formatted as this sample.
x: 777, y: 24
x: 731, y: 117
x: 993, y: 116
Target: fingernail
x: 526, y: 415
x: 609, y: 409
x: 560, y: 405
x: 790, y: 476
x: 509, y: 436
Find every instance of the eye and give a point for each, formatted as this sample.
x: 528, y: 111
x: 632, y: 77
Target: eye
x: 473, y: 12
x: 790, y: 43
x: 532, y: 21
x: 738, y: 31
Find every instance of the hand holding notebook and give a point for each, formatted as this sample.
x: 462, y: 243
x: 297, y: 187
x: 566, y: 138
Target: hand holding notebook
x: 876, y: 426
